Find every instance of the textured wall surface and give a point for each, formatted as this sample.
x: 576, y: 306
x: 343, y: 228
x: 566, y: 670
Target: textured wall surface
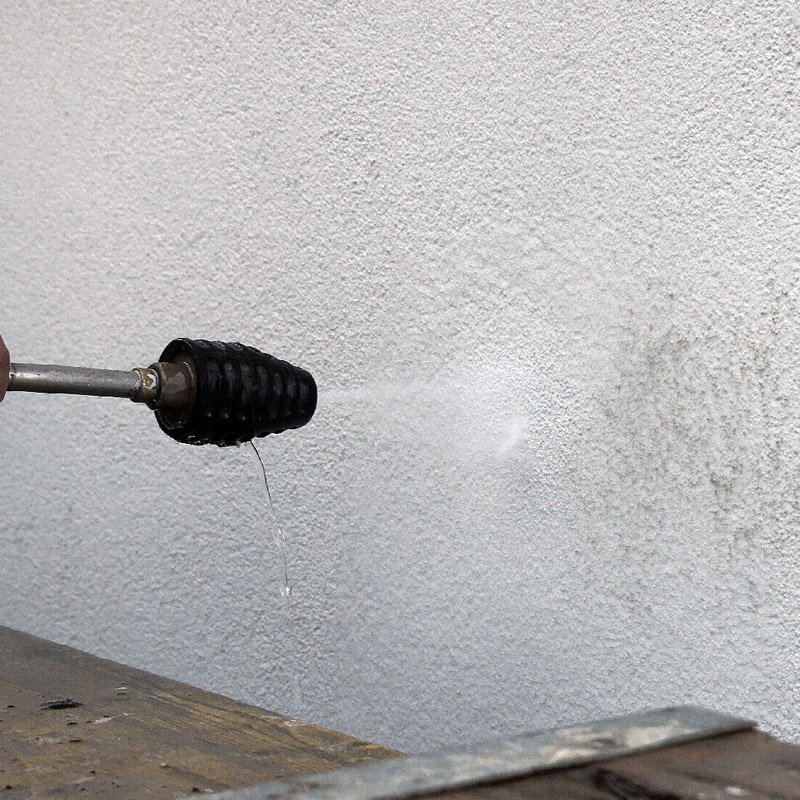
x: 543, y: 262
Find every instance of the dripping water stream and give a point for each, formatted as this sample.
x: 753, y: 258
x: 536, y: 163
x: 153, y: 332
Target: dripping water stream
x: 278, y: 535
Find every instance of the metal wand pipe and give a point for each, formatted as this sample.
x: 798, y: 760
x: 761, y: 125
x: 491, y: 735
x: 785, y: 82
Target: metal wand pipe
x: 53, y: 379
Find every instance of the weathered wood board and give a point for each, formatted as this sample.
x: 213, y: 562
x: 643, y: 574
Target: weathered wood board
x: 74, y: 725
x: 750, y: 765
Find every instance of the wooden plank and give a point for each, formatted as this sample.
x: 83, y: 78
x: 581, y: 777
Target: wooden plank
x: 750, y: 765
x: 74, y: 725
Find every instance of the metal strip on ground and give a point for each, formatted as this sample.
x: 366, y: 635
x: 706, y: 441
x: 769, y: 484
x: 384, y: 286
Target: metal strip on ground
x: 517, y: 757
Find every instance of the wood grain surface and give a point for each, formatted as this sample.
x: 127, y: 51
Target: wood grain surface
x: 76, y: 726
x: 749, y: 765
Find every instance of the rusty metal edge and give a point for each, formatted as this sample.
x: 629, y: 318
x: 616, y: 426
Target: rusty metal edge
x: 504, y: 759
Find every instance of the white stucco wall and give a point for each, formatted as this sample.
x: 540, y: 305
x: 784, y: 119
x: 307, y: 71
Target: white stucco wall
x: 543, y: 262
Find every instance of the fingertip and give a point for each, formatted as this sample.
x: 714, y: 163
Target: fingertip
x: 5, y: 367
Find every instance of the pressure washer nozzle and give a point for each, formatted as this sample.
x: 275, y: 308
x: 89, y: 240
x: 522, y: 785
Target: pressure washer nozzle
x: 202, y: 392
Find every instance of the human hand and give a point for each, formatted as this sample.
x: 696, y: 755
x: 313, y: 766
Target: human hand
x: 5, y: 365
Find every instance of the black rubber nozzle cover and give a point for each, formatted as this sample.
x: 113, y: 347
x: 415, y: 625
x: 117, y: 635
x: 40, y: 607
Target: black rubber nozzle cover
x: 241, y: 393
